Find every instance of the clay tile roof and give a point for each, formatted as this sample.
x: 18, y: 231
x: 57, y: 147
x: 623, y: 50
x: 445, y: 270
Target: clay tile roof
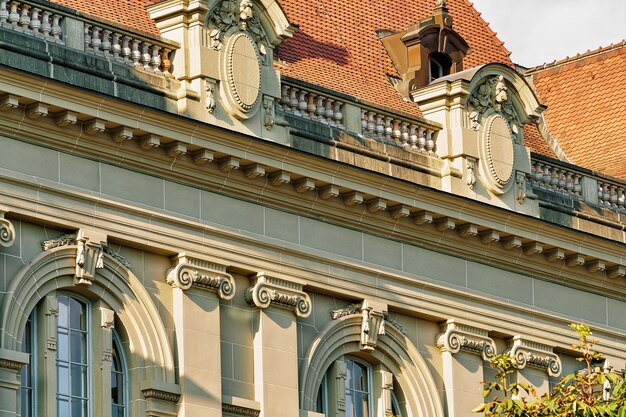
x: 536, y: 143
x: 336, y: 46
x: 131, y: 13
x: 586, y: 108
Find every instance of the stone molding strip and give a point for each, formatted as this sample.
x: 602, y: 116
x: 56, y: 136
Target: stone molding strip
x: 529, y: 353
x: 457, y: 337
x: 240, y: 410
x: 203, y: 274
x: 12, y: 360
x: 266, y: 291
x: 444, y: 223
x: 7, y: 231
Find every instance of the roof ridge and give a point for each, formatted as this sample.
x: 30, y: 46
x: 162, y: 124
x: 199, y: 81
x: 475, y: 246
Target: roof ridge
x: 488, y: 27
x: 577, y: 57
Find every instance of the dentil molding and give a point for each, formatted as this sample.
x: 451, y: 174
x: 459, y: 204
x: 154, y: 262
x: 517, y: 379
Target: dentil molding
x: 266, y: 291
x: 200, y: 273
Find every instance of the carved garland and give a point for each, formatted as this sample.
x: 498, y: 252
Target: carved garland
x: 267, y: 290
x: 237, y: 13
x: 202, y: 274
x: 492, y: 94
x: 534, y: 354
x: 457, y: 337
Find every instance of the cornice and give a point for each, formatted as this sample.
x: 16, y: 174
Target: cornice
x: 437, y: 301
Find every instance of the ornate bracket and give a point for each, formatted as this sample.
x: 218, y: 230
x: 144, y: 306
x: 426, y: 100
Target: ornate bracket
x: 89, y: 257
x: 525, y: 352
x: 457, y: 337
x: 7, y: 231
x: 374, y: 317
x: 202, y: 274
x: 267, y: 290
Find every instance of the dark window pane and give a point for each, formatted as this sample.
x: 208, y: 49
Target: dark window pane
x: 79, y: 408
x: 77, y: 315
x: 78, y: 347
x: 361, y: 405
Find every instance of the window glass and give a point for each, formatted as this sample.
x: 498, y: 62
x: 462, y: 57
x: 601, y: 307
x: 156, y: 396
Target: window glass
x: 26, y: 391
x: 72, y: 361
x: 118, y: 382
x: 357, y: 390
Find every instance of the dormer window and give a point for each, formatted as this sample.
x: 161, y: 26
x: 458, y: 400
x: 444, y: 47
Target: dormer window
x: 439, y: 65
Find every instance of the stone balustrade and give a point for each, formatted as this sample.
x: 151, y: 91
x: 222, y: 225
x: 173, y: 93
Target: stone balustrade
x: 402, y: 132
x: 31, y: 19
x: 35, y: 19
x: 555, y: 178
x: 611, y: 195
x: 310, y: 105
x: 142, y: 53
x: 380, y: 126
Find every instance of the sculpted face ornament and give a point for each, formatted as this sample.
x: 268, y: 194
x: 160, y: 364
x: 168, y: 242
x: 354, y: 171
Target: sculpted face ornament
x: 500, y: 93
x: 492, y: 97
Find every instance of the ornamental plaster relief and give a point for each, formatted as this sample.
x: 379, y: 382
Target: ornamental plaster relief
x: 537, y: 355
x: 457, y: 337
x: 202, y: 274
x: 266, y: 291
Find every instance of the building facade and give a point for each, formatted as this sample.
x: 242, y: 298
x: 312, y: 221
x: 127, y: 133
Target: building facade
x: 279, y: 209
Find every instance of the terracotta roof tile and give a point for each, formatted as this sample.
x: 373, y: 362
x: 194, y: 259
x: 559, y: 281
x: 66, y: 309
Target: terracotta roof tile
x: 536, y: 143
x: 586, y: 108
x: 337, y: 48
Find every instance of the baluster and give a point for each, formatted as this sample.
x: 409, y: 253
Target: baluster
x: 35, y: 23
x: 600, y: 193
x: 421, y: 139
x: 371, y: 123
x: 621, y: 199
x: 363, y: 121
x: 4, y: 13
x: 380, y: 126
x: 14, y: 16
x: 388, y: 129
x: 556, y: 174
x: 293, y: 100
x: 329, y: 111
x: 166, y: 64
x: 320, y: 109
x: 283, y: 103
x: 86, y: 29
x: 146, y: 56
x: 106, y: 44
x: 547, y: 176
x: 126, y: 50
x: 613, y: 193
x: 606, y: 195
x: 577, y: 187
x: 539, y: 174
x: 116, y: 48
x: 45, y: 24
x: 404, y: 134
x: 413, y: 136
x: 430, y: 142
x: 311, y: 106
x: 397, y: 136
x: 569, y: 183
x: 155, y: 60
x: 337, y: 113
x: 95, y: 39
x: 135, y: 54
x: 302, y: 104
x: 24, y: 18
x: 55, y: 30
x: 562, y: 177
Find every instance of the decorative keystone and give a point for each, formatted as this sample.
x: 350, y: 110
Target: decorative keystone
x: 374, y: 316
x: 7, y: 231
x: 457, y: 337
x: 266, y: 291
x: 527, y: 353
x: 199, y: 273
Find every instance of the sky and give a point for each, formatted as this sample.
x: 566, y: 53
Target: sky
x: 538, y: 31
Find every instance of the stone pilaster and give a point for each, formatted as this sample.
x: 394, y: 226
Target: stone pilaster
x: 337, y: 390
x: 197, y: 287
x: 383, y: 388
x: 535, y: 363
x: 11, y: 363
x: 46, y: 373
x: 275, y: 343
x: 463, y: 349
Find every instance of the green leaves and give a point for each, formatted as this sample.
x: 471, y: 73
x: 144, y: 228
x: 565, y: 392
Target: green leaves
x: 591, y: 392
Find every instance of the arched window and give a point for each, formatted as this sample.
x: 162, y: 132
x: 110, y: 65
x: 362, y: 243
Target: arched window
x: 357, y: 386
x: 85, y: 347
